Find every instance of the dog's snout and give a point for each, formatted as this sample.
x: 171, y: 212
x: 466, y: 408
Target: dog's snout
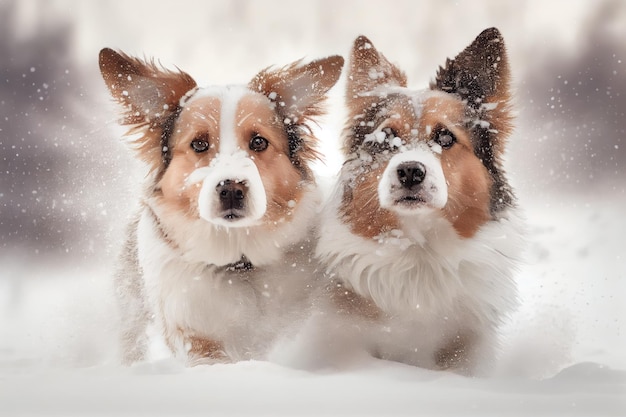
x: 231, y: 194
x: 411, y: 173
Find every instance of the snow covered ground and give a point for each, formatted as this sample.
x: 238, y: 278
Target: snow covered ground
x: 563, y: 355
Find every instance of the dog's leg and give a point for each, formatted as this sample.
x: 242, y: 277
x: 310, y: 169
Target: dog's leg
x: 456, y: 354
x: 129, y: 291
x: 201, y: 350
x: 348, y: 302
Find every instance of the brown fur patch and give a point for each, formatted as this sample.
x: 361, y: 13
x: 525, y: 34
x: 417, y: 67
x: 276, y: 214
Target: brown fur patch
x: 468, y: 180
x: 455, y: 354
x: 361, y: 207
x: 203, y: 348
x: 199, y: 348
x: 299, y: 90
x: 370, y: 69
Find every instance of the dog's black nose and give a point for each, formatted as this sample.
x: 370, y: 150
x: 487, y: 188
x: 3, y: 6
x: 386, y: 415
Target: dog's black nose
x: 411, y: 173
x: 231, y: 194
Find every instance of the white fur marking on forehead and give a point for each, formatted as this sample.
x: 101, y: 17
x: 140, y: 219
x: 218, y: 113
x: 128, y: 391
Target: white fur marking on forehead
x: 229, y: 97
x: 417, y: 97
x: 218, y: 91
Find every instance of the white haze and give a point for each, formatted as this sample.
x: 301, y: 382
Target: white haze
x: 563, y: 351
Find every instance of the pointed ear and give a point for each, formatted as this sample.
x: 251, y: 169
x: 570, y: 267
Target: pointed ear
x: 298, y: 93
x: 151, y: 99
x: 148, y: 93
x: 479, y: 74
x: 370, y: 69
x: 299, y: 90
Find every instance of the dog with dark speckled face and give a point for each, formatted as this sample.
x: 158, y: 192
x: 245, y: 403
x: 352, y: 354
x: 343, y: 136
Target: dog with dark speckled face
x: 420, y: 237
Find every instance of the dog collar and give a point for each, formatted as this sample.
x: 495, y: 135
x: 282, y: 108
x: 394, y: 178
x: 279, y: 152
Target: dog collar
x: 242, y: 265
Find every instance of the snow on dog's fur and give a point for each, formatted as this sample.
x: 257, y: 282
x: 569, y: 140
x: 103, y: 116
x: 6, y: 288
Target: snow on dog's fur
x: 219, y: 252
x: 420, y: 237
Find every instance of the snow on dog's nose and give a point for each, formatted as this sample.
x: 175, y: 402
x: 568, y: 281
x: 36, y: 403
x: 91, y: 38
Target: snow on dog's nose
x: 413, y: 179
x: 232, y: 192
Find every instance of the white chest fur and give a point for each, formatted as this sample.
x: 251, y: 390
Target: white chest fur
x: 189, y: 285
x: 430, y: 283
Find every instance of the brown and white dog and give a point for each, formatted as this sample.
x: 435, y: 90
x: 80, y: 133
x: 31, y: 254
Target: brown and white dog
x: 218, y: 254
x: 420, y: 237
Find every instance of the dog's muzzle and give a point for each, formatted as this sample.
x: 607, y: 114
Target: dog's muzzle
x: 412, y: 180
x: 232, y: 192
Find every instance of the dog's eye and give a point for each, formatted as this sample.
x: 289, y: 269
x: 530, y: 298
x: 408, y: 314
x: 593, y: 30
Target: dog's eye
x: 200, y: 143
x: 258, y: 143
x: 445, y: 138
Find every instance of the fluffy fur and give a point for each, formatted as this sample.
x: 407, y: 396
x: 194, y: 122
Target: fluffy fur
x: 219, y: 255
x: 420, y: 237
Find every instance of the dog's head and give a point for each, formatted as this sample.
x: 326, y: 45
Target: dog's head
x: 236, y: 156
x: 438, y: 150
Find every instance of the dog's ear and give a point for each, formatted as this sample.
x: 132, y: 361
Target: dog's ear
x: 147, y: 92
x: 370, y: 69
x: 480, y: 76
x: 150, y: 96
x: 299, y: 90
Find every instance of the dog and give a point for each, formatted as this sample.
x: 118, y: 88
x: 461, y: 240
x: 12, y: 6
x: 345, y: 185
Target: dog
x: 421, y: 235
x: 218, y: 256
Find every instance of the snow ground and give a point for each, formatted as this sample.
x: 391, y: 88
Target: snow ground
x: 563, y: 351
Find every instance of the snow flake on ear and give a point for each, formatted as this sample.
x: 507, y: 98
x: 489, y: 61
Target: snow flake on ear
x: 480, y: 72
x: 376, y: 137
x: 483, y: 124
x: 489, y: 106
x: 375, y: 73
x: 364, y: 157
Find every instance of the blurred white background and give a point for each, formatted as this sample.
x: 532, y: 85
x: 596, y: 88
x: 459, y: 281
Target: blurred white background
x: 66, y: 182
